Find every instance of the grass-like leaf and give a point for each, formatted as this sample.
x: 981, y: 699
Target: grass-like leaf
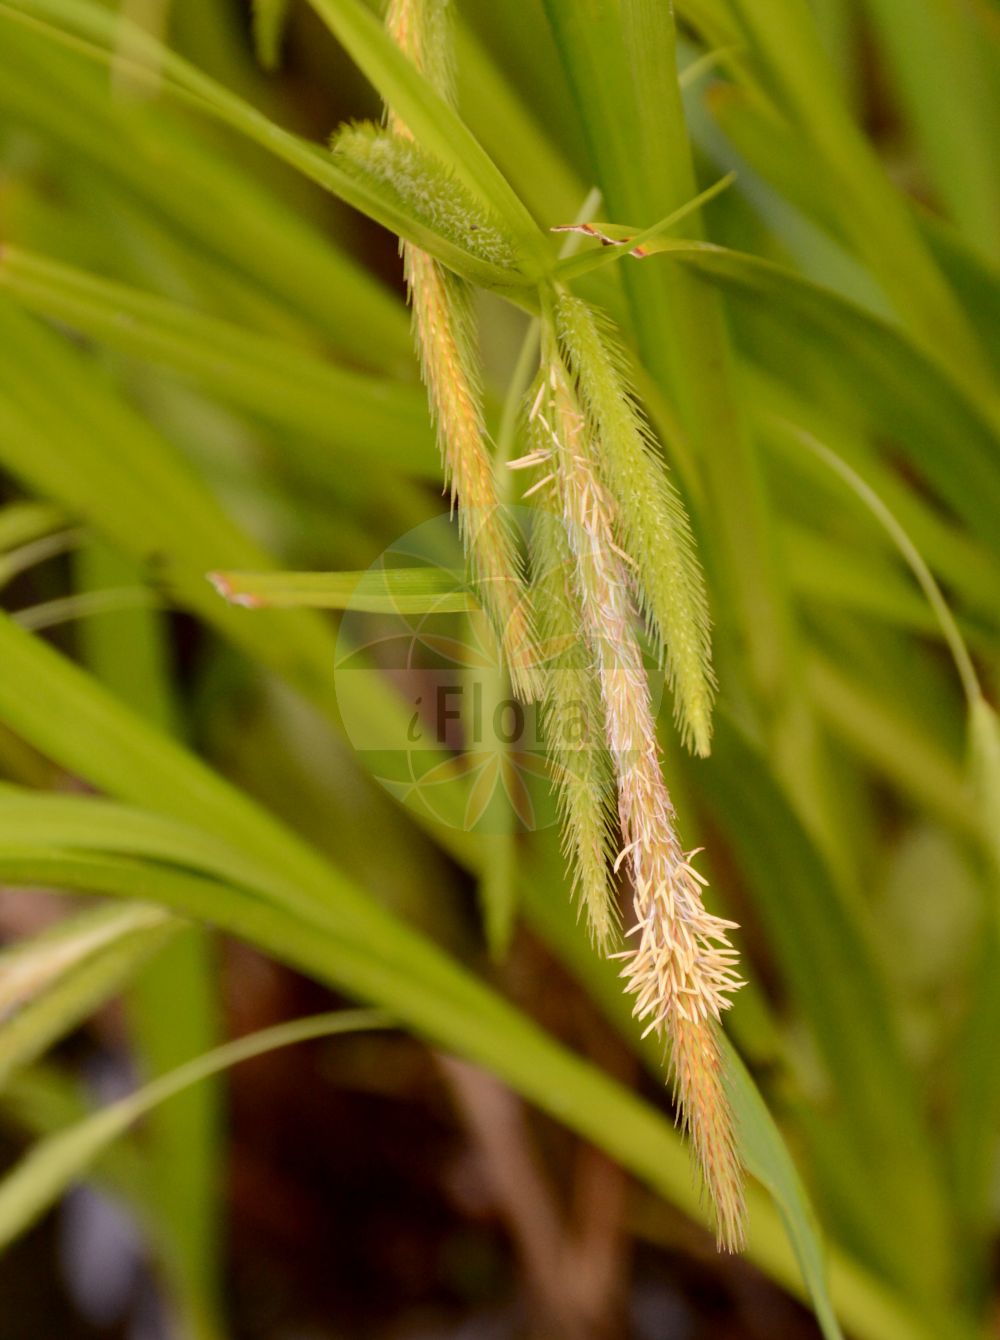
x: 392, y: 590
x: 826, y: 955
x: 270, y: 18
x: 290, y: 388
x: 90, y: 32
x: 30, y: 966
x: 949, y: 434
x: 52, y: 1166
x: 23, y: 523
x: 84, y: 986
x: 785, y: 39
x: 160, y: 166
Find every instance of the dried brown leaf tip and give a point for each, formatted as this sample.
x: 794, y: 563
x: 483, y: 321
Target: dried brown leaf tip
x: 680, y: 966
x: 605, y: 239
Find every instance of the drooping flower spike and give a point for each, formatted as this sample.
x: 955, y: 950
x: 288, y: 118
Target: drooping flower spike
x: 612, y: 551
x: 681, y: 967
x: 441, y: 304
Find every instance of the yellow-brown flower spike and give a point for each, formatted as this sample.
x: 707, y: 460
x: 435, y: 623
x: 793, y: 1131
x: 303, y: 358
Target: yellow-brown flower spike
x: 699, y: 1086
x: 682, y: 968
x: 443, y: 330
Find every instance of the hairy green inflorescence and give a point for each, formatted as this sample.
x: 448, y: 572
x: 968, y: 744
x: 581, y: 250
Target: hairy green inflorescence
x: 423, y: 189
x: 652, y: 525
x: 573, y: 717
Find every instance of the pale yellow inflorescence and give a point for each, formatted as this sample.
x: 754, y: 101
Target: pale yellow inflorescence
x: 682, y: 968
x: 442, y: 326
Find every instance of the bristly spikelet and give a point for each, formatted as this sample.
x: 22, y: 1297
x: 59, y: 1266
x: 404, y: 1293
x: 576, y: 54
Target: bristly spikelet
x: 423, y: 188
x: 682, y: 967
x: 573, y: 718
x: 651, y: 523
x: 699, y: 1085
x: 442, y: 318
x: 422, y: 28
x: 443, y: 329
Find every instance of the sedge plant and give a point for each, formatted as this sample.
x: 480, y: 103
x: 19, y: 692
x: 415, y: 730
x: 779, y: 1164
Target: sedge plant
x: 731, y: 433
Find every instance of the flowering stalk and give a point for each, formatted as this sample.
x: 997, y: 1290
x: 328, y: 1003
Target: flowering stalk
x: 650, y: 520
x: 443, y: 329
x: 682, y: 968
x: 620, y: 549
x: 573, y: 718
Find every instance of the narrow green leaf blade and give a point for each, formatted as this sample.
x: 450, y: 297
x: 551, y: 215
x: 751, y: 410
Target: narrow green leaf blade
x: 767, y: 1158
x: 25, y: 522
x: 936, y: 60
x: 56, y: 1163
x: 29, y: 967
x: 826, y: 956
x: 785, y: 39
x: 81, y: 990
x: 270, y: 18
x: 91, y: 33
x: 984, y: 735
x: 173, y: 1006
x: 161, y: 169
x: 950, y: 436
x: 292, y: 388
x: 381, y: 590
